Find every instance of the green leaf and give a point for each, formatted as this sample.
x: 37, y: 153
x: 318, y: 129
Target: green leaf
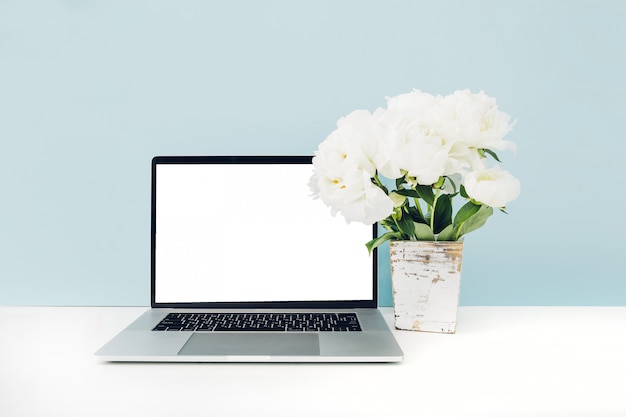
x: 423, y: 232
x: 476, y: 221
x: 374, y: 243
x: 406, y: 224
x: 408, y: 193
x: 463, y: 192
x: 389, y: 224
x: 465, y: 212
x: 447, y: 234
x: 443, y: 213
x: 415, y: 214
x: 491, y: 153
x: 425, y: 192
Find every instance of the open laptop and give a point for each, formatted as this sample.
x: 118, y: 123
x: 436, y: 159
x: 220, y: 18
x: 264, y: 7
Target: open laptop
x: 247, y: 267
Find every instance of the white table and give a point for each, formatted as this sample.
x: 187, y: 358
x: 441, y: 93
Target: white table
x: 503, y: 361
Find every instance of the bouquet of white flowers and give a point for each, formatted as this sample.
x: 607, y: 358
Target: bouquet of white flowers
x: 431, y: 148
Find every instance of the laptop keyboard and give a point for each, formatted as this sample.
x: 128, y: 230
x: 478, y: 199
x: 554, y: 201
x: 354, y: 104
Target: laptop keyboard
x: 274, y: 322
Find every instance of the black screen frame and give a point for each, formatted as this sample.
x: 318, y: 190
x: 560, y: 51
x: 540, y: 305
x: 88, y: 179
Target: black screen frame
x: 247, y: 159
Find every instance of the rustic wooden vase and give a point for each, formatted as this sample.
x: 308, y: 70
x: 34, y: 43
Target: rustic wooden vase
x: 426, y: 279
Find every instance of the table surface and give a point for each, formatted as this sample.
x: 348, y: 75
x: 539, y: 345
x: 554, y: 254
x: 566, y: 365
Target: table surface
x: 503, y: 361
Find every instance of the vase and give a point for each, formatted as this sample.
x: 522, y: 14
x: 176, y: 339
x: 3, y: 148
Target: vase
x: 426, y: 281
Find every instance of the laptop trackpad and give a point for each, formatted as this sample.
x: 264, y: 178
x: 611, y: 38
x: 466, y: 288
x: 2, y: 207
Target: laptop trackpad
x: 267, y: 344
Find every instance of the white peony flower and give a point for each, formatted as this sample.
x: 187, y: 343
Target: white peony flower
x: 356, y: 142
x: 352, y: 194
x: 493, y: 187
x: 423, y: 157
x: 344, y: 165
x: 413, y: 146
x: 414, y: 105
x: 474, y: 119
x: 366, y: 202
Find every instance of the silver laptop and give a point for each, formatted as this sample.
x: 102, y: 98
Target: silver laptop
x: 247, y: 267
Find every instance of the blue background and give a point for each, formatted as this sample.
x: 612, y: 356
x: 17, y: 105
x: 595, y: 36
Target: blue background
x: 91, y: 90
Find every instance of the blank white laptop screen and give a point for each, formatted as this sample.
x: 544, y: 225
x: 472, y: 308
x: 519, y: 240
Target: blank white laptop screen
x: 252, y: 233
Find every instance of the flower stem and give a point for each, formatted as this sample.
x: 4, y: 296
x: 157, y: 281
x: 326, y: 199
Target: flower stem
x: 432, y: 214
x: 458, y: 232
x: 418, y: 206
x: 378, y: 183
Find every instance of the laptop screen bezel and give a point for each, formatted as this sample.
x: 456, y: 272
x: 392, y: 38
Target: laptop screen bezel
x: 246, y: 159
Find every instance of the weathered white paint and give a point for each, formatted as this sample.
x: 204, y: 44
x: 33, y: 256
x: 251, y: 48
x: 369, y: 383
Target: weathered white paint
x: 426, y: 279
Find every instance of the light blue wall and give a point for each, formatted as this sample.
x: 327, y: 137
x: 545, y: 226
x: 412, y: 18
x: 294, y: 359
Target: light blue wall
x: 91, y: 90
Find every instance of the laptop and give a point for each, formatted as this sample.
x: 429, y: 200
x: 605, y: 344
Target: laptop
x: 247, y: 267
